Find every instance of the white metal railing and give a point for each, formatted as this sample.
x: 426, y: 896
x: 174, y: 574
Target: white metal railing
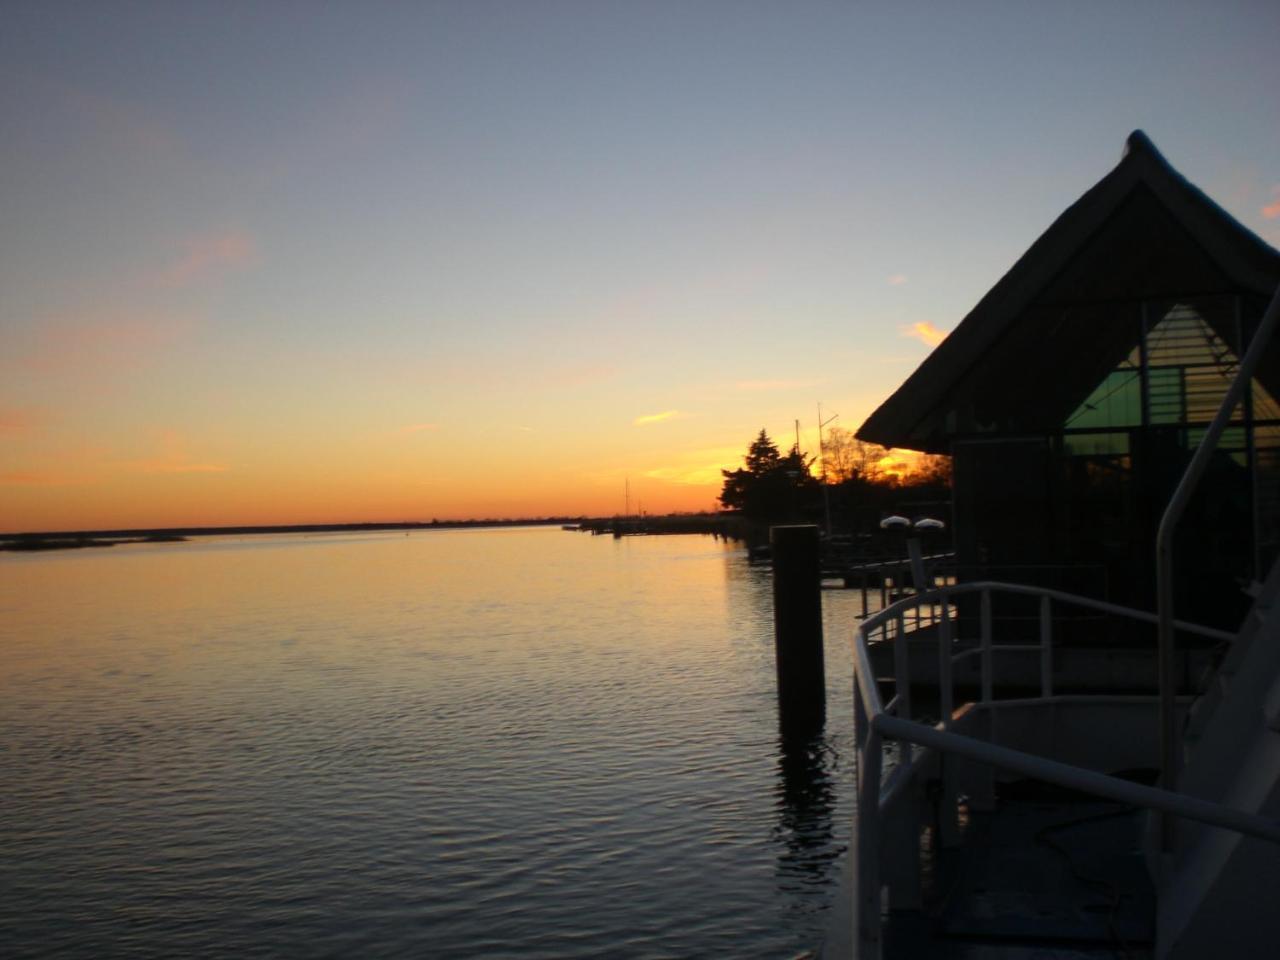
x: 1164, y: 547
x: 874, y: 721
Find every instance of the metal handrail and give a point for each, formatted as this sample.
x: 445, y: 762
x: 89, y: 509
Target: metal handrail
x: 1102, y: 606
x: 1164, y: 550
x: 901, y: 564
x: 875, y: 720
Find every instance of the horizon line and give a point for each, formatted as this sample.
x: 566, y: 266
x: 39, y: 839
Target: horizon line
x: 255, y: 528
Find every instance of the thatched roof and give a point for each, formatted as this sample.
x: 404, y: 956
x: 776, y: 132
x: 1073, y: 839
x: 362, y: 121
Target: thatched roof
x: 1066, y: 312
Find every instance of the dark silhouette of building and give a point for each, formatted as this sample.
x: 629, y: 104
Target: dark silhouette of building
x: 1072, y: 396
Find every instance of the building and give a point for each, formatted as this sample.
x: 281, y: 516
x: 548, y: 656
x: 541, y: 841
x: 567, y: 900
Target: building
x: 1072, y: 396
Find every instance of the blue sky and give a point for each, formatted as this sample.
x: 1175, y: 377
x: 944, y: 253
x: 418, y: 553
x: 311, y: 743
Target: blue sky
x: 362, y: 261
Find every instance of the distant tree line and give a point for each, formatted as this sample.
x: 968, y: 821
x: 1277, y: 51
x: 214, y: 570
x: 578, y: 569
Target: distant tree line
x: 864, y: 483
x: 850, y: 459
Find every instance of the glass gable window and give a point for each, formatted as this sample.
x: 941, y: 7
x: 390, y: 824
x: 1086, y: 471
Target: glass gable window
x: 1160, y: 400
x: 1117, y: 401
x: 1188, y: 368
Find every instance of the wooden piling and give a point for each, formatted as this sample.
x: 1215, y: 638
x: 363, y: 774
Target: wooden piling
x: 797, y: 619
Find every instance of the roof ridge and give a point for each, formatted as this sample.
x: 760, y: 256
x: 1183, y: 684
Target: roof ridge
x: 1245, y: 260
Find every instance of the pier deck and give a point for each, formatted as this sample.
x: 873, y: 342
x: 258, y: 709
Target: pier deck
x: 1050, y: 875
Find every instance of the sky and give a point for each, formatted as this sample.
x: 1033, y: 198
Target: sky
x: 326, y: 262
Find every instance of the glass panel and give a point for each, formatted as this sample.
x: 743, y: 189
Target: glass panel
x: 1190, y: 367
x: 1264, y: 404
x: 1232, y: 443
x: 1117, y: 402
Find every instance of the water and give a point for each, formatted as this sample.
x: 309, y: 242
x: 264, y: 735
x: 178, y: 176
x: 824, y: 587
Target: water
x: 473, y: 743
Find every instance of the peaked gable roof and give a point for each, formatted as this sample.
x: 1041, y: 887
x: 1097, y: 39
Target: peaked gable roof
x: 1096, y: 232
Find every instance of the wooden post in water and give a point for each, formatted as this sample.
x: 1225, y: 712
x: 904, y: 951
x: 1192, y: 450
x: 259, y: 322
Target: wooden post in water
x: 797, y: 625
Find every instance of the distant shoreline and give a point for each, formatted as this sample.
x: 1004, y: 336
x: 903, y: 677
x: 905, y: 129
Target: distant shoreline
x: 169, y: 534
x: 76, y: 539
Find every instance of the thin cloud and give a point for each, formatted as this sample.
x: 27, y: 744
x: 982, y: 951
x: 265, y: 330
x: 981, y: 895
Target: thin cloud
x: 25, y: 478
x: 33, y: 478
x: 92, y: 347
x: 689, y: 476
x: 662, y: 417
x: 123, y: 124
x: 926, y: 333
x: 206, y: 256
x: 168, y: 466
x: 1272, y: 210
x: 174, y: 458
x: 760, y: 386
x: 896, y: 280
x: 18, y: 421
x: 697, y: 468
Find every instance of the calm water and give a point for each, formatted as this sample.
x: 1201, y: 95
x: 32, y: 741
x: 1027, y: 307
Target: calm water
x: 489, y: 743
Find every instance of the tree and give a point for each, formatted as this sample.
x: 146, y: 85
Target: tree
x: 931, y: 469
x: 849, y: 458
x: 762, y: 456
x: 769, y: 485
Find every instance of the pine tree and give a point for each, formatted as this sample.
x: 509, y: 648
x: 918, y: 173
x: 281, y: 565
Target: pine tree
x: 768, y: 486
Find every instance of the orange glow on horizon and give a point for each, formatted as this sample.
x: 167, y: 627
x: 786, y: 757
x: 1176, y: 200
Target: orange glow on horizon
x: 900, y: 464
x: 204, y: 498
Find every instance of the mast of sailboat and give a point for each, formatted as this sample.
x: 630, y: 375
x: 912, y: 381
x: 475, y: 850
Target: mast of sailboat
x: 822, y: 456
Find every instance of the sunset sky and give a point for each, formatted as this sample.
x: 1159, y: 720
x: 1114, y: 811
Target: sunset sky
x: 324, y: 262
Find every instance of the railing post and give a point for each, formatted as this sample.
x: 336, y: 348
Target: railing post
x: 986, y: 647
x: 900, y: 871
x: 866, y: 898
x: 1046, y: 648
x: 944, y: 659
x: 902, y: 683
x: 918, y: 576
x: 948, y: 829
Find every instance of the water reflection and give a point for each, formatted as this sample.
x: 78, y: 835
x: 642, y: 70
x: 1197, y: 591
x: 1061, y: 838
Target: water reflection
x: 812, y: 822
x: 806, y: 806
x: 475, y: 743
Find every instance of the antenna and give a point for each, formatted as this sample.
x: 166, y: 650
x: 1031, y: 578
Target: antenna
x: 822, y: 455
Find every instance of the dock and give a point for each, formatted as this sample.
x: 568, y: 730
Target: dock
x: 1054, y: 875
x: 727, y: 526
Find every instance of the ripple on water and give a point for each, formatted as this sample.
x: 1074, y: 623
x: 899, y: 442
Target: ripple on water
x: 479, y: 743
